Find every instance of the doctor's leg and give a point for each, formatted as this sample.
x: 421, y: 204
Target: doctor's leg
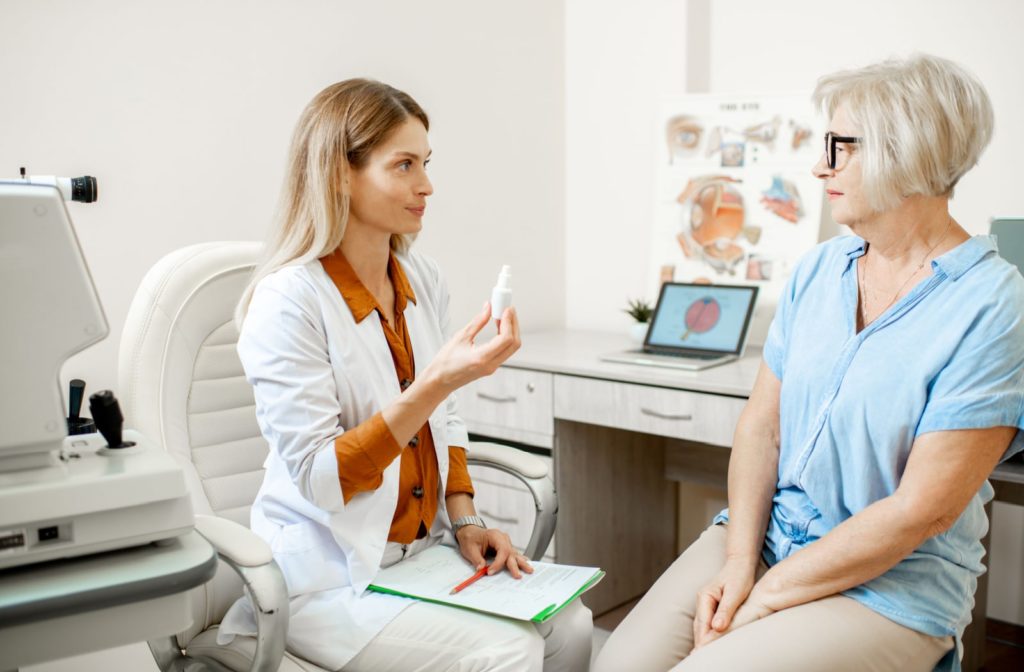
x: 431, y: 637
x: 568, y: 638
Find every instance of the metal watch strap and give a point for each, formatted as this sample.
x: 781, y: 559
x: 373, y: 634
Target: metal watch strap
x: 461, y: 522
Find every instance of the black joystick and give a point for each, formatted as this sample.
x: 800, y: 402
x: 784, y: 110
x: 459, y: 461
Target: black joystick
x: 106, y: 413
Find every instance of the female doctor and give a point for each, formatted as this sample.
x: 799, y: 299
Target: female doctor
x: 343, y: 339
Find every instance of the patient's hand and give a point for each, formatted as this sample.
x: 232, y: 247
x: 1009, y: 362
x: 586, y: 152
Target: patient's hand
x: 751, y: 610
x: 475, y: 542
x: 720, y: 601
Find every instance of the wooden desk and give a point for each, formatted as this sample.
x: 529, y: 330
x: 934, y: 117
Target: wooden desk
x: 622, y: 437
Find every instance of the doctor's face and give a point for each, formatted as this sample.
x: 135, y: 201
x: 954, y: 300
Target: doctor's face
x: 389, y: 192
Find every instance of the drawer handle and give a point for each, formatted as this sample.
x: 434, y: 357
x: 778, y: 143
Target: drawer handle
x: 500, y: 519
x: 666, y: 416
x: 498, y: 400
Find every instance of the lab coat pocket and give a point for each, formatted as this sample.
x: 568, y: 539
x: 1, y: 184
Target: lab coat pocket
x: 308, y: 558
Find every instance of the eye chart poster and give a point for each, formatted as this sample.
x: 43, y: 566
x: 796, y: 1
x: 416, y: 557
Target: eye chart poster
x: 736, y: 202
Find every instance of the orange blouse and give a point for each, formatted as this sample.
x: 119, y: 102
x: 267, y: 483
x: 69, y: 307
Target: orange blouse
x: 364, y: 451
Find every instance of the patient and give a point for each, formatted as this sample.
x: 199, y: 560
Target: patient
x: 892, y: 384
x: 345, y: 340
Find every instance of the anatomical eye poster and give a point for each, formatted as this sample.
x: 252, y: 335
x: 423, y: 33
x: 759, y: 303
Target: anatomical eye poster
x: 736, y: 202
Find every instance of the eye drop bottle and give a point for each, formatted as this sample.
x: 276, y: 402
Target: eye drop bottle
x: 501, y: 295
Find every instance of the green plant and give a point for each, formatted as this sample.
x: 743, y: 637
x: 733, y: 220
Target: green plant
x: 639, y: 310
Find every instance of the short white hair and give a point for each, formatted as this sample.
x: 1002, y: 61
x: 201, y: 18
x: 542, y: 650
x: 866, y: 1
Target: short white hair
x: 924, y: 121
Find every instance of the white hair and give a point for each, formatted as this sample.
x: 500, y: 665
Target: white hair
x: 924, y: 121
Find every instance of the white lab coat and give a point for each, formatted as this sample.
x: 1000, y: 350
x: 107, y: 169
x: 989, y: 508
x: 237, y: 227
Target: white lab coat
x: 315, y: 372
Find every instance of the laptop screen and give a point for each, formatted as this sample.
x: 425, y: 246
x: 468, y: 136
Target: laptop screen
x: 701, y: 318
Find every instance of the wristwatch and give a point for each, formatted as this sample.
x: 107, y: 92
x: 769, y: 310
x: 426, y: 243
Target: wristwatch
x: 460, y: 523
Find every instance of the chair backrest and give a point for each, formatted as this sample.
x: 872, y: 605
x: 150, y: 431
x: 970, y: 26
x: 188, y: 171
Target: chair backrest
x: 182, y: 386
x: 181, y: 382
x: 1009, y: 233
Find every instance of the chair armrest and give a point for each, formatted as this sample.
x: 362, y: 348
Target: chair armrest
x: 233, y: 541
x: 252, y: 560
x: 533, y: 472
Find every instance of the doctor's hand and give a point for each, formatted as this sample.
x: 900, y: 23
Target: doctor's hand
x: 721, y: 601
x: 475, y: 542
x: 462, y: 360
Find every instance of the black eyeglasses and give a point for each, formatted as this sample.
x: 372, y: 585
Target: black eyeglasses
x: 831, y: 140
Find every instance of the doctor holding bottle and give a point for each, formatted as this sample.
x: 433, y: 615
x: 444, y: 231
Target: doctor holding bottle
x: 343, y: 337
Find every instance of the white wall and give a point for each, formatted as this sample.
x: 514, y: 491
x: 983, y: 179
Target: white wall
x: 785, y: 46
x: 184, y: 110
x: 622, y: 59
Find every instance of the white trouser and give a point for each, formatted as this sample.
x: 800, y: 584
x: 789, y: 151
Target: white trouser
x: 430, y: 637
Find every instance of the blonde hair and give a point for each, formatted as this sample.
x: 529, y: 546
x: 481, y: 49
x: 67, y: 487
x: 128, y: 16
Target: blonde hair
x: 336, y: 133
x: 924, y: 121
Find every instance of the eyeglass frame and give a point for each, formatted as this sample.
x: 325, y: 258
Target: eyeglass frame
x: 831, y: 139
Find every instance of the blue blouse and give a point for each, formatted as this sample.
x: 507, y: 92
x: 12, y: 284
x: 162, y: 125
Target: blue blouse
x: 949, y: 355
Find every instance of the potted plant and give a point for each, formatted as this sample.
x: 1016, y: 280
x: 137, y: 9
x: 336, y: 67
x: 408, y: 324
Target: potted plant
x: 641, y: 311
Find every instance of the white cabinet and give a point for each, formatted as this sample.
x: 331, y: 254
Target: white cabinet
x: 505, y: 503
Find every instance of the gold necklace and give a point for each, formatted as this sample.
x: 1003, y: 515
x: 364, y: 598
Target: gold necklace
x: 863, y: 280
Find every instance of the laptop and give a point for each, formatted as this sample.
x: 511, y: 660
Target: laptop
x: 695, y: 327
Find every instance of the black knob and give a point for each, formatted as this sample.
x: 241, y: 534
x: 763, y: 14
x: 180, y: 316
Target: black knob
x: 84, y: 189
x: 106, y: 413
x: 417, y: 492
x: 406, y: 382
x: 414, y: 441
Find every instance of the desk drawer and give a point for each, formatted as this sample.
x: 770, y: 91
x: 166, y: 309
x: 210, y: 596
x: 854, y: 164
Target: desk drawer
x: 693, y: 416
x: 511, y: 404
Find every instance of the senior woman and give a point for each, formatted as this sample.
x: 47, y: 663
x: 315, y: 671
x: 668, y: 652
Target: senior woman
x: 892, y: 384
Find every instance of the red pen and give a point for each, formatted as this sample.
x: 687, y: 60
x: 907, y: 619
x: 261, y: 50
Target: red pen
x: 470, y: 581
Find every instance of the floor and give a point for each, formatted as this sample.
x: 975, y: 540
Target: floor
x: 1004, y: 645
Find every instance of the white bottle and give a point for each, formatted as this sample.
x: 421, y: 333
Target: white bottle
x: 501, y: 295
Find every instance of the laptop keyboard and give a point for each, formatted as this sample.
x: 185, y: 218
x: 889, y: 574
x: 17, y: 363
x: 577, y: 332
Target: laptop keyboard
x: 685, y: 355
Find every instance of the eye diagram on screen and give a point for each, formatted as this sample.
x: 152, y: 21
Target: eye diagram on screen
x: 704, y: 317
x: 701, y: 316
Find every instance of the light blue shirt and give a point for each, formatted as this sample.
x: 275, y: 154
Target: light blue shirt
x: 949, y: 355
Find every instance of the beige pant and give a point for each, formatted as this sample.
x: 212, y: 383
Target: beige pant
x: 432, y: 637
x: 834, y: 633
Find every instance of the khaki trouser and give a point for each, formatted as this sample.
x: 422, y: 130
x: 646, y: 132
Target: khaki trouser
x: 834, y: 633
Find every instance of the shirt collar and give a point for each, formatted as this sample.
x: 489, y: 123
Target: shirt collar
x: 357, y: 297
x: 964, y: 256
x: 953, y: 264
x: 854, y: 247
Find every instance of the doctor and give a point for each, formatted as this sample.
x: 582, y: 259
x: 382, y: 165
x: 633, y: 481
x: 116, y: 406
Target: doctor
x: 343, y: 339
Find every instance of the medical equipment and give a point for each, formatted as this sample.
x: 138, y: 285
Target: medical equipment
x: 63, y: 496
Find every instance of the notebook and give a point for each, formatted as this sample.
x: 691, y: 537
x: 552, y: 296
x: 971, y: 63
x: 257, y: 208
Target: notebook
x: 695, y: 327
x: 431, y: 575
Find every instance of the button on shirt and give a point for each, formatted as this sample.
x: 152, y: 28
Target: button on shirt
x: 949, y: 355
x: 364, y: 451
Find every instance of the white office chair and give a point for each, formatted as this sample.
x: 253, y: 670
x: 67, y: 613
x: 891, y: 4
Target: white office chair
x: 182, y: 386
